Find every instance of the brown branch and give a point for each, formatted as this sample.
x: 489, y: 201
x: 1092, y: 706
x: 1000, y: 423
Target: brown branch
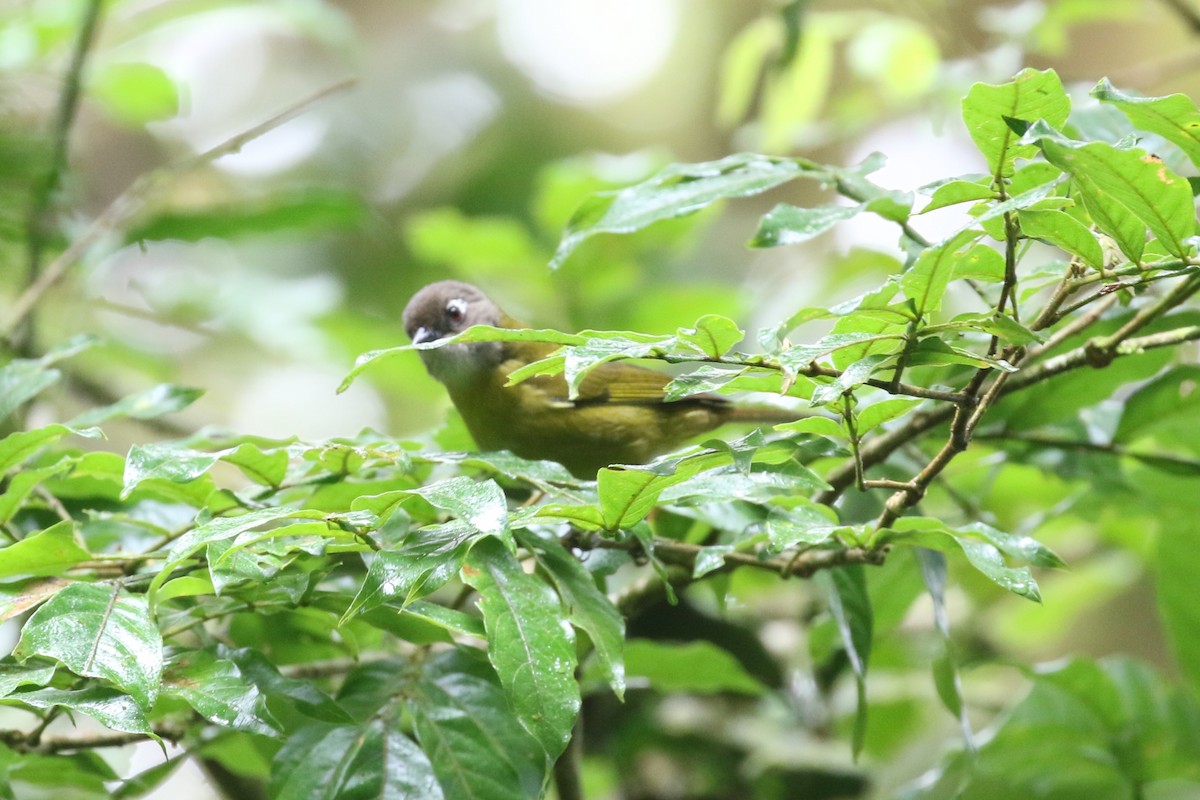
x: 881, y: 447
x: 1111, y: 448
x: 1101, y: 350
x: 802, y: 565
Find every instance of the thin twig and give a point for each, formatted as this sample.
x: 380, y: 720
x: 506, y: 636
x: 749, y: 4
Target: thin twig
x: 1111, y: 448
x: 39, y: 206
x: 805, y: 565
x: 123, y: 209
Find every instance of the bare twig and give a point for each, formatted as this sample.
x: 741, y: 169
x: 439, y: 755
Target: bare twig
x: 123, y: 209
x: 39, y: 206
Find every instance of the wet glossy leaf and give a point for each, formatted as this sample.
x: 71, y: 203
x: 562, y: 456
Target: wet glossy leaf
x: 532, y: 650
x: 164, y: 398
x: 787, y: 224
x: 350, y: 762
x: 677, y: 190
x: 472, y: 740
x: 587, y: 607
x: 983, y: 555
x: 111, y: 708
x: 102, y: 632
x: 216, y: 689
x: 14, y: 675
x: 480, y: 503
x: 425, y: 561
x: 46, y: 553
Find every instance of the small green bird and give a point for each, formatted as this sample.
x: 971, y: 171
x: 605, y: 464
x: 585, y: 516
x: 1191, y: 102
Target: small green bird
x: 619, y: 417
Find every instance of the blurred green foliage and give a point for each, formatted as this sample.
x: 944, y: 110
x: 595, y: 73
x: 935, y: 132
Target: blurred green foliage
x: 323, y: 595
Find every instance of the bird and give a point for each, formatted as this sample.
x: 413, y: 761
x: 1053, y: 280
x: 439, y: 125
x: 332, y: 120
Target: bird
x: 620, y: 415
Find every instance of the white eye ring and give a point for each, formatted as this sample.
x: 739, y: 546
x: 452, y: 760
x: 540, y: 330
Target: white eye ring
x: 456, y: 310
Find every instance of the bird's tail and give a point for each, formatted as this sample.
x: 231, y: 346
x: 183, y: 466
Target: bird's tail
x: 761, y: 414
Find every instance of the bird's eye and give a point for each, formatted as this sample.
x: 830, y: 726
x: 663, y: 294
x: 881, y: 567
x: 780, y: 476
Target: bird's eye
x: 456, y: 310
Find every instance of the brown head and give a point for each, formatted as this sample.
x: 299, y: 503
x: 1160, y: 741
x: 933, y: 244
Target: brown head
x: 443, y: 309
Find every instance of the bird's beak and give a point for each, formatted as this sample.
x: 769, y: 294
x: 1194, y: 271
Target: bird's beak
x: 422, y: 335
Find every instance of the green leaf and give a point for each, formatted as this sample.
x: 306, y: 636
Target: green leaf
x: 980, y: 263
x: 1063, y: 231
x: 677, y: 190
x: 14, y: 676
x: 959, y: 191
x: 851, y: 609
x: 853, y: 376
x: 700, y: 667
x: 1030, y: 96
x: 283, y: 210
x: 993, y: 323
x: 1131, y: 180
x: 18, y: 446
x: 164, y: 398
x: 24, y: 482
x: 476, y: 333
x: 426, y: 560
x: 946, y: 679
x: 926, y: 282
x: 146, y: 781
x: 1173, y: 117
x: 820, y: 426
x: 48, y: 552
x: 628, y: 495
x: 169, y: 462
x: 135, y: 93
x: 100, y: 632
x: 22, y: 379
x: 713, y: 335
x: 588, y: 608
x: 533, y: 653
x: 983, y: 554
x: 345, y: 762
x: 803, y: 522
x: 798, y: 357
x: 787, y: 224
x: 877, y: 414
x: 1164, y: 408
x: 220, y: 529
x: 111, y: 708
x: 300, y: 694
x: 264, y: 467
x: 217, y: 690
x: 475, y: 745
x: 578, y: 361
x: 482, y: 504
